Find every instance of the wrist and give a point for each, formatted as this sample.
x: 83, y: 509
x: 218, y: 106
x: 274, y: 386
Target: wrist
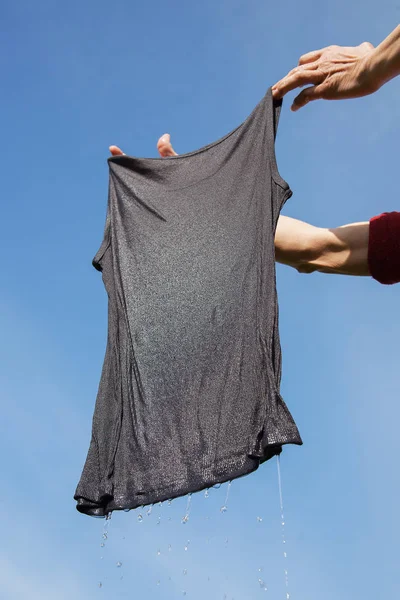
x: 384, y: 61
x: 375, y: 70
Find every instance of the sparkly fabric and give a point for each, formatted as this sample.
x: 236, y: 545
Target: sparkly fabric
x: 189, y: 392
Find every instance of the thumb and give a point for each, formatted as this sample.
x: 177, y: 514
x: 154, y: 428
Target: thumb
x: 311, y: 93
x: 164, y: 146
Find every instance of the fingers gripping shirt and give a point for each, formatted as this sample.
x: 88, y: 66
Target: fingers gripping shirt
x: 189, y: 391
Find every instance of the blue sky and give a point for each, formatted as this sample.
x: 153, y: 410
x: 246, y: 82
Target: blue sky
x: 80, y: 76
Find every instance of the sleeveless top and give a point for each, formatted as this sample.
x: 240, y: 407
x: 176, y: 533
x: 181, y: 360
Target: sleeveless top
x: 189, y: 391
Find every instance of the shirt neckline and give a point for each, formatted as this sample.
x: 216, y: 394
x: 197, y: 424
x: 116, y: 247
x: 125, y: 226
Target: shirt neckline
x: 116, y: 159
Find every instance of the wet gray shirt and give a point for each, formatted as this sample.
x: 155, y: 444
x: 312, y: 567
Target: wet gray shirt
x: 189, y: 392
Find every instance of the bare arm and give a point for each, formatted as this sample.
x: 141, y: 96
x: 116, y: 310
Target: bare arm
x: 343, y: 250
x: 338, y: 72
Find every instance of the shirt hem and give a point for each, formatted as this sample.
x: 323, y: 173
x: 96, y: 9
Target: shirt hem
x: 123, y: 498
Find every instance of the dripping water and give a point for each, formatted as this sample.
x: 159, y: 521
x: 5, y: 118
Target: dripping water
x: 224, y: 508
x: 104, y: 538
x: 283, y: 528
x: 185, y: 519
x: 261, y: 582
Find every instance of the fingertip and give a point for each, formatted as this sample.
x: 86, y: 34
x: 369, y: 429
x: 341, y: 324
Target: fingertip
x: 115, y: 151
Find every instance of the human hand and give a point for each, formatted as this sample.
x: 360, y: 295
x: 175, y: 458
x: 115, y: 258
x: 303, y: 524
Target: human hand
x: 163, y: 145
x: 335, y: 73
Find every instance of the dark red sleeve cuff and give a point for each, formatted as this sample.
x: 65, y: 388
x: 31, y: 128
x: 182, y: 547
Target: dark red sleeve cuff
x: 384, y: 248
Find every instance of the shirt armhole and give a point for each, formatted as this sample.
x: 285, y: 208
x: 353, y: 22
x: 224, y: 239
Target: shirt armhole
x: 274, y: 111
x: 105, y: 244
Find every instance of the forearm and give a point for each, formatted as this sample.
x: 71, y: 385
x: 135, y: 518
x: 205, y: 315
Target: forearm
x: 384, y: 61
x: 343, y: 250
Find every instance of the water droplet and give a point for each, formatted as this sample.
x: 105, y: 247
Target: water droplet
x: 217, y: 486
x: 158, y: 520
x: 183, y: 593
x: 285, y: 554
x: 184, y: 571
x: 169, y: 502
x: 169, y: 518
x: 223, y: 509
x: 140, y: 518
x: 185, y: 519
x: 119, y: 564
x: 169, y: 548
x: 100, y: 584
x: 187, y: 545
x: 259, y: 519
x: 159, y: 504
x: 206, y: 493
x: 208, y: 578
x: 148, y: 512
x: 108, y: 516
x: 260, y: 569
x: 102, y: 545
x: 283, y: 522
x: 226, y: 541
x: 262, y: 585
x: 101, y: 557
x: 105, y: 535
x: 287, y: 596
x: 158, y: 582
x: 158, y: 552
